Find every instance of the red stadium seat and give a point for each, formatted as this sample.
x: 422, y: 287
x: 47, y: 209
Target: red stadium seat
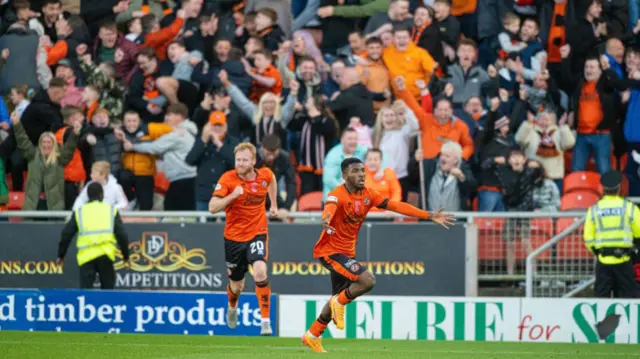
x: 572, y: 246
x: 310, y: 202
x: 491, y: 245
x: 578, y: 200
x: 161, y: 183
x: 16, y: 201
x: 578, y: 181
x: 298, y: 185
x: 542, y: 226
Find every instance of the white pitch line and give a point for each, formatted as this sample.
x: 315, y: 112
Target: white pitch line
x: 346, y: 350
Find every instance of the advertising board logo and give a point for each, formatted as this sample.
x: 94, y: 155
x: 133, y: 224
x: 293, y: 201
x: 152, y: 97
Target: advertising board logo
x: 154, y: 251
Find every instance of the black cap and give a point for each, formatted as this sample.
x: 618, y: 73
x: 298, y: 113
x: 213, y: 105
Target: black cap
x: 611, y: 180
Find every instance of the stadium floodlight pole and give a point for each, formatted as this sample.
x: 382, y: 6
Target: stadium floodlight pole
x: 423, y: 198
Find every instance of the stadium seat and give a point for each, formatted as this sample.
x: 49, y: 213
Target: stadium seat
x: 16, y: 201
x: 578, y: 181
x: 310, y: 202
x: 542, y: 226
x: 161, y: 183
x: 578, y: 200
x: 491, y: 246
x: 572, y: 246
x: 298, y: 185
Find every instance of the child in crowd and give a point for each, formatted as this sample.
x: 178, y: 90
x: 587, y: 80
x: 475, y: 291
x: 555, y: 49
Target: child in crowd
x: 91, y: 101
x: 139, y: 169
x: 135, y: 31
x: 107, y: 147
x: 266, y: 77
x: 113, y: 193
x: 363, y: 131
x: 509, y: 39
x: 20, y: 97
x: 268, y: 29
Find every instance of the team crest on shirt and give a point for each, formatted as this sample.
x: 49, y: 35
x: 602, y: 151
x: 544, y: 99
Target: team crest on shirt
x: 354, y: 267
x: 264, y: 184
x: 366, y: 201
x: 253, y: 187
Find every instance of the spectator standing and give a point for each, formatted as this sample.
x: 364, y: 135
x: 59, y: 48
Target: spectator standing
x: 157, y: 38
x: 23, y: 67
x: 278, y: 161
x: 392, y: 136
x: 448, y: 180
x: 174, y: 148
x: 266, y: 77
x: 373, y: 72
x: 73, y: 95
x: 144, y: 96
x: 544, y: 140
x: 139, y: 169
x: 347, y: 148
x: 268, y: 116
x: 105, y: 145
x: 397, y: 15
x: 546, y: 195
x: 317, y: 132
x: 354, y: 100
x: 46, y: 162
x: 383, y: 180
x: 406, y: 59
x: 140, y: 8
x: 268, y: 29
x: 74, y: 171
x: 212, y: 153
x: 468, y: 79
x: 103, y: 78
x: 111, y: 47
x: 426, y: 34
x: 438, y: 125
x: 178, y: 87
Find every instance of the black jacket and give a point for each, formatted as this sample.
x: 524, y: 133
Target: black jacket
x: 238, y: 125
x: 212, y: 163
x: 40, y: 116
x: 355, y: 101
x: 71, y: 229
x: 431, y: 40
x: 283, y: 170
x: 490, y: 146
x: 272, y: 37
x: 430, y: 167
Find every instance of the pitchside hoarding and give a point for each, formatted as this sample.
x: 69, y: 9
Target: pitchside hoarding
x: 406, y: 259
x: 128, y: 312
x: 472, y: 319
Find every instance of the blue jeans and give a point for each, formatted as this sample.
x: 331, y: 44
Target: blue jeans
x: 599, y: 145
x: 490, y: 201
x: 202, y: 206
x: 633, y: 172
x: 634, y: 13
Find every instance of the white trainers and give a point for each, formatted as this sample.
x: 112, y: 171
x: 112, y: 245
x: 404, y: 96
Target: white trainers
x: 266, y: 329
x: 232, y: 317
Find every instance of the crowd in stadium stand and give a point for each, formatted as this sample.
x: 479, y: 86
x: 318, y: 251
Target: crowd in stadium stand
x: 150, y: 97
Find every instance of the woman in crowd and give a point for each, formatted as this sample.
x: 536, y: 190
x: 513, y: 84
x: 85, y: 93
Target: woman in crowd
x: 392, y: 135
x: 45, y: 184
x: 269, y: 117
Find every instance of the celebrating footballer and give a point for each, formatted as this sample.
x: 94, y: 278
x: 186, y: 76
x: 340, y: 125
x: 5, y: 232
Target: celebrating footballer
x: 345, y: 210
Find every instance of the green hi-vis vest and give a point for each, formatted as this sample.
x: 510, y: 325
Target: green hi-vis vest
x: 95, y: 232
x: 612, y: 217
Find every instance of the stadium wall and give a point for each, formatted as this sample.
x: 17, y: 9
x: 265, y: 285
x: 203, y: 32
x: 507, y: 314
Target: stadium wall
x: 128, y: 312
x: 190, y: 256
x: 470, y: 319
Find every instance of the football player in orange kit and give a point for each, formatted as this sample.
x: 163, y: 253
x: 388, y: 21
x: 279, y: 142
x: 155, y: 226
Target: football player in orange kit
x: 345, y: 210
x: 241, y: 193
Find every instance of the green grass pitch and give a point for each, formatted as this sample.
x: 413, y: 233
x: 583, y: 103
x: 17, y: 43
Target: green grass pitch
x: 25, y: 345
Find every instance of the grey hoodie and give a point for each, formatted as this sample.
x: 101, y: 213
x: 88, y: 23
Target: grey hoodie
x: 174, y: 148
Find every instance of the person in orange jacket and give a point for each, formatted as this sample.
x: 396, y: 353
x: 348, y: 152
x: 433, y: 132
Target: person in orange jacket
x: 74, y: 172
x: 159, y: 38
x: 406, y: 59
x: 383, y: 180
x: 438, y: 125
x: 139, y: 168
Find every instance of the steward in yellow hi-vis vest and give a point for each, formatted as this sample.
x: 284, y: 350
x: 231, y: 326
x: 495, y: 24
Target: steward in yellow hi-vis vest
x: 99, y: 228
x: 611, y: 231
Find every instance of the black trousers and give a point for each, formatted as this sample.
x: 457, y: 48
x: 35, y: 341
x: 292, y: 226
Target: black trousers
x: 181, y: 195
x: 140, y: 188
x: 103, y: 266
x: 616, y: 279
x: 70, y: 194
x: 310, y: 182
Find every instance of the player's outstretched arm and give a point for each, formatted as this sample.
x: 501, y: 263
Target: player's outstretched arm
x: 443, y: 219
x: 217, y: 204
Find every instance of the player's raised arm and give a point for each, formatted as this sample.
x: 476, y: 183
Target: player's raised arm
x: 439, y: 217
x: 218, y: 204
